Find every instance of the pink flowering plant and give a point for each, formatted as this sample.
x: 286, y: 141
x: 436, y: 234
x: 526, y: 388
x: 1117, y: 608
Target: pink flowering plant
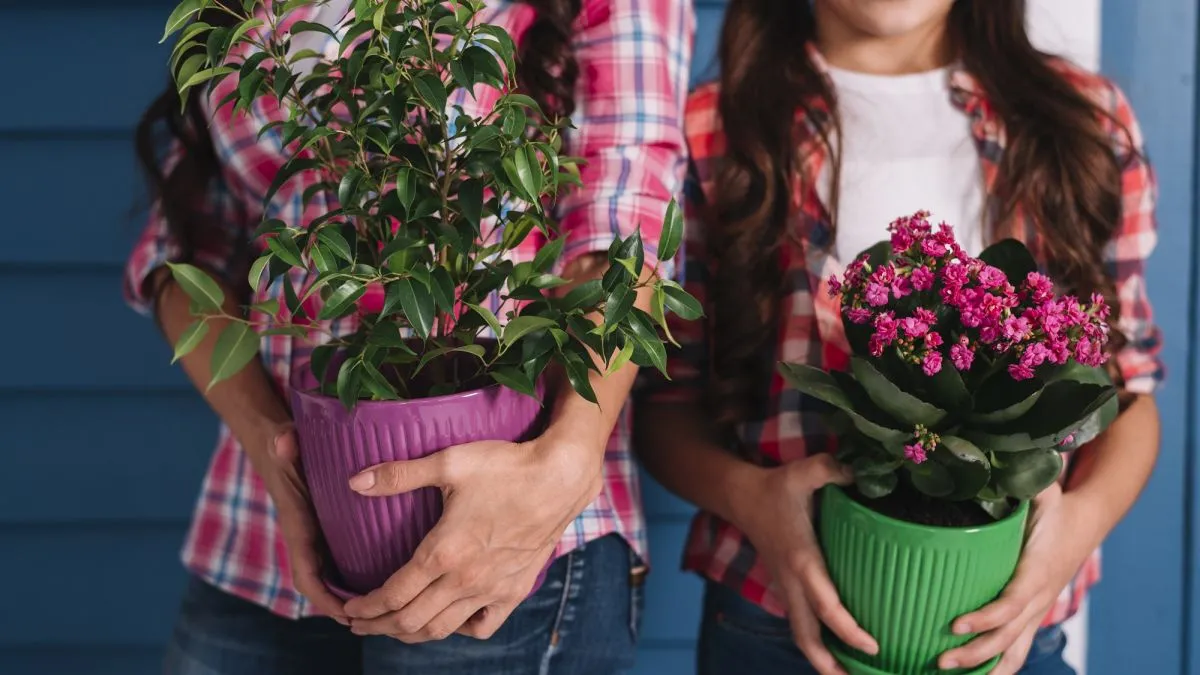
x: 969, y: 377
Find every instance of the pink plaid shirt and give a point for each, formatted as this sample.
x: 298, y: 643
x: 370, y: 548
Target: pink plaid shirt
x: 633, y: 59
x: 788, y: 429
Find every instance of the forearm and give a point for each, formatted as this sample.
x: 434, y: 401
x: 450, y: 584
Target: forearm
x: 1108, y: 474
x: 677, y: 448
x: 572, y: 418
x: 247, y: 402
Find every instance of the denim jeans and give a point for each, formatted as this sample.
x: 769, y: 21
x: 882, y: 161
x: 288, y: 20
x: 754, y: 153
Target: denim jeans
x: 584, y: 620
x: 738, y: 637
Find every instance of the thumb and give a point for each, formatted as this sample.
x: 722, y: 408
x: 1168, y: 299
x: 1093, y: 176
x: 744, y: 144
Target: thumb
x: 283, y: 445
x: 393, y: 478
x: 826, y: 469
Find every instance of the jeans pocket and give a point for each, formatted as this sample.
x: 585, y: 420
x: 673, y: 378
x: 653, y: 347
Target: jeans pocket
x: 637, y: 594
x: 727, y: 610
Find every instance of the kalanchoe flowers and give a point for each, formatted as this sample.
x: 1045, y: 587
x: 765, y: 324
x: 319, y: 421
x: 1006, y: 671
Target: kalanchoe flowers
x: 979, y: 308
x: 968, y: 375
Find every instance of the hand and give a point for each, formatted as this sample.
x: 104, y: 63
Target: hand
x: 1057, y: 546
x: 506, y: 506
x: 297, y: 522
x: 788, y: 547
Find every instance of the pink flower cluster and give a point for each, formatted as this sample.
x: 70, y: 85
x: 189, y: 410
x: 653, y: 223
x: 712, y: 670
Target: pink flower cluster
x: 932, y: 303
x: 924, y: 442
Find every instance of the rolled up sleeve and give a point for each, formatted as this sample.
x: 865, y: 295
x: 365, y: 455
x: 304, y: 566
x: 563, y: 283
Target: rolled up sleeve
x: 227, y: 224
x: 1139, y: 362
x: 634, y: 57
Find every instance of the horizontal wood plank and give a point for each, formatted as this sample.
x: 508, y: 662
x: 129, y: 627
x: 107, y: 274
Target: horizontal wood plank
x: 132, y: 572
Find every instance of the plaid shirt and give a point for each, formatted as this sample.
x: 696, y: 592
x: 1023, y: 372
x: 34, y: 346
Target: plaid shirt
x: 633, y: 60
x: 790, y: 428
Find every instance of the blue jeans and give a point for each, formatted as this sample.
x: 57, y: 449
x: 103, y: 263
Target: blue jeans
x: 737, y: 636
x: 584, y: 620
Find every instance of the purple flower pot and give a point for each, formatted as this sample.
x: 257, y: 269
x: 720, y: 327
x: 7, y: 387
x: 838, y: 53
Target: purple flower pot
x: 372, y: 537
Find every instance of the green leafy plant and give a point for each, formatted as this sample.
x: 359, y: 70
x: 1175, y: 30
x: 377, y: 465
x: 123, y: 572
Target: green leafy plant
x: 431, y: 205
x: 968, y: 376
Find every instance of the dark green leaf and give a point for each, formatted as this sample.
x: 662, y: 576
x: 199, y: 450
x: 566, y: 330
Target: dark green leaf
x: 342, y: 298
x: 577, y: 374
x: 548, y: 254
x: 200, y: 287
x: 236, y: 346
x: 387, y: 334
x: 285, y: 248
x: 432, y: 91
x: 290, y: 169
x: 1003, y: 399
x: 523, y: 325
x: 876, y: 486
x: 470, y: 201
x: 514, y: 379
x: 179, y: 17
x: 672, y: 232
x: 309, y: 26
x: 681, y: 302
x: 968, y: 466
x: 535, y: 169
x: 474, y: 350
x: 585, y: 296
x: 617, y: 307
x: 1012, y: 258
x: 347, y: 382
x: 948, y: 390
x: 417, y: 303
x: 1025, y: 474
x: 1062, y: 409
x: 256, y: 270
x: 932, y: 479
x: 631, y: 250
x: 484, y: 63
x: 348, y: 186
x: 642, y: 329
x: 821, y: 385
x: 190, y: 339
x: 998, y: 509
x: 322, y: 355
x: 891, y: 399
x: 443, y: 290
x: 1093, y: 426
x: 376, y: 383
x: 336, y: 242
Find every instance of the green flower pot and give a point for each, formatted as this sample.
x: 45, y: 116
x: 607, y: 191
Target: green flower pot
x: 905, y: 583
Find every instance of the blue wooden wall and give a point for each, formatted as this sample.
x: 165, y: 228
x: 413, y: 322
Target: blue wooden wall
x: 102, y: 444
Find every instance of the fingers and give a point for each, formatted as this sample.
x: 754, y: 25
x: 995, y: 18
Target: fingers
x: 824, y: 469
x: 823, y: 600
x: 806, y: 631
x: 1011, y: 605
x: 406, y: 584
x: 1015, y: 656
x: 411, y: 621
x: 393, y: 478
x: 484, y: 624
x: 445, y: 624
x: 981, y: 649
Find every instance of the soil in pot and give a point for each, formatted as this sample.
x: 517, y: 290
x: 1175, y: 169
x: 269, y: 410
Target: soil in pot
x: 913, y: 506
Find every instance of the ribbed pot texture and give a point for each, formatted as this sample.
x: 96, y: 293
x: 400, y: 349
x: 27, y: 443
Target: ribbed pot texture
x: 372, y: 537
x: 905, y: 583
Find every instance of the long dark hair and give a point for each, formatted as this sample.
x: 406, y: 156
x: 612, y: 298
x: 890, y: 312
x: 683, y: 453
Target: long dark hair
x: 547, y: 71
x: 1059, y: 170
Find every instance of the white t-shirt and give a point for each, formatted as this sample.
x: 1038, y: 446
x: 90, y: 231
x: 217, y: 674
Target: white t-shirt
x: 906, y: 148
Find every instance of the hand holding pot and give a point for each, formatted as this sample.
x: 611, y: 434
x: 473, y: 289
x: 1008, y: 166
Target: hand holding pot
x: 297, y: 522
x: 778, y: 519
x: 1057, y: 545
x: 505, y: 507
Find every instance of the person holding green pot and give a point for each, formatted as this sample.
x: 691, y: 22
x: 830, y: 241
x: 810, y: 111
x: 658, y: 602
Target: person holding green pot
x: 831, y: 118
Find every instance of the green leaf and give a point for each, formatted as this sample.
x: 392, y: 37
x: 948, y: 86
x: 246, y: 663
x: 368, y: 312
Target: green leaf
x: 179, y: 16
x: 474, y: 350
x: 514, y: 379
x: 406, y: 187
x: 484, y: 63
x: 443, y: 289
x: 470, y: 201
x: 270, y: 306
x: 342, y: 299
x: 535, y: 169
x: 998, y: 509
x: 901, y: 405
x: 932, y: 479
x: 642, y: 329
x: 290, y: 169
x: 376, y: 383
x: 190, y: 67
x: 190, y: 339
x: 821, y: 385
x: 347, y: 382
x: 431, y: 90
x: 487, y: 316
x: 256, y: 270
x: 335, y: 241
x: 1025, y: 474
x: 618, y: 362
x: 681, y: 302
x: 206, y: 75
x: 577, y: 375
x: 617, y: 307
x: 285, y: 248
x: 347, y: 187
x: 417, y: 303
x: 1012, y: 258
x: 876, y: 486
x: 236, y: 346
x: 322, y: 355
x: 672, y: 232
x: 387, y: 334
x: 523, y: 325
x: 200, y: 287
x: 309, y: 26
x: 1003, y: 399
x: 1093, y: 426
x: 658, y: 307
x: 243, y: 28
x: 948, y: 390
x: 968, y: 466
x: 631, y: 253
x: 584, y: 296
x: 549, y: 254
x: 1062, y: 409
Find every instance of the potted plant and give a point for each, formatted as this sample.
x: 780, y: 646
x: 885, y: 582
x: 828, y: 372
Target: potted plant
x: 968, y: 378
x: 424, y: 330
